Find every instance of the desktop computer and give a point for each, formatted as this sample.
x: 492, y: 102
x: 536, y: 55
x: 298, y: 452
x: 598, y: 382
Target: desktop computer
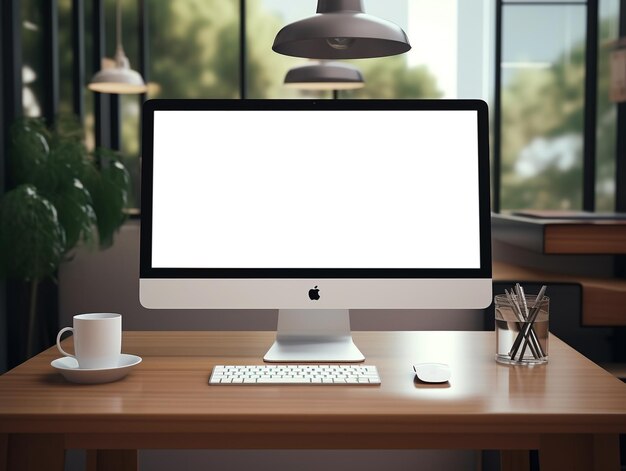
x: 315, y: 207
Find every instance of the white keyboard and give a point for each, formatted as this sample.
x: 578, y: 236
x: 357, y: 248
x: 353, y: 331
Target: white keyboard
x: 295, y: 374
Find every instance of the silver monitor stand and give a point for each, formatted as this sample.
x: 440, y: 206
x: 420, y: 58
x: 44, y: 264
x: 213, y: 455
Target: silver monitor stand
x: 313, y: 336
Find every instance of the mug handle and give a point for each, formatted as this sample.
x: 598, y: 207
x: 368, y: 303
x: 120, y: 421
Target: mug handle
x: 64, y: 329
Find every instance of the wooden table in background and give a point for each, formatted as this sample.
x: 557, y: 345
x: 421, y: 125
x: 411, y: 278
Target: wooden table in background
x: 603, y: 298
x: 570, y: 409
x: 586, y: 236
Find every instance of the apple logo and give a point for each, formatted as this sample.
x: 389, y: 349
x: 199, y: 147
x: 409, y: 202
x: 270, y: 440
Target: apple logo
x: 314, y: 294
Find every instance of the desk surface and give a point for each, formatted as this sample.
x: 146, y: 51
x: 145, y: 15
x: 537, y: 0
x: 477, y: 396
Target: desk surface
x: 570, y: 409
x: 168, y: 392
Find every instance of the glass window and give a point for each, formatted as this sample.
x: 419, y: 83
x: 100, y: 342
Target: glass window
x: 428, y: 70
x: 90, y: 120
x: 194, y: 48
x: 32, y: 58
x: 129, y: 116
x: 448, y: 59
x: 266, y: 69
x: 129, y: 104
x: 543, y: 73
x: 544, y: 1
x: 65, y: 57
x: 606, y: 142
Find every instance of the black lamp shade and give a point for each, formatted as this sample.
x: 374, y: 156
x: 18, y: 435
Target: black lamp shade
x: 341, y: 30
x: 324, y: 76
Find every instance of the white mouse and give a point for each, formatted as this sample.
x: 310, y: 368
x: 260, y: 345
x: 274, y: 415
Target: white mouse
x: 432, y: 372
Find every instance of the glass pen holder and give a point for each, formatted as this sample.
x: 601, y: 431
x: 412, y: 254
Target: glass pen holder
x: 522, y: 330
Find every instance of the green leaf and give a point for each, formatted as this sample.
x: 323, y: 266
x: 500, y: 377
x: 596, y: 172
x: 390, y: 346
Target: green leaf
x: 28, y: 151
x: 76, y: 214
x: 32, y: 241
x: 64, y: 198
x: 109, y: 190
x: 67, y: 162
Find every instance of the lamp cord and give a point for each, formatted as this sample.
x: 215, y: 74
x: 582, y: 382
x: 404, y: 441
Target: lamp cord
x: 118, y: 26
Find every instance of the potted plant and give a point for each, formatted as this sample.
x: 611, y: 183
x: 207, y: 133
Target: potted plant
x: 61, y: 196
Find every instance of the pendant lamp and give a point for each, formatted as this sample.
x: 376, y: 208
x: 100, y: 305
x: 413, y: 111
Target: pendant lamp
x: 341, y: 30
x: 116, y: 76
x: 324, y: 75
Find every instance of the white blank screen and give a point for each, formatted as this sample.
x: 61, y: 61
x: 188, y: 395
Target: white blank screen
x: 315, y: 189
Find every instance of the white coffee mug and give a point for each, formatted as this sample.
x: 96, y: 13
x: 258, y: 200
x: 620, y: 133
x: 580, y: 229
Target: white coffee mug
x: 97, y: 340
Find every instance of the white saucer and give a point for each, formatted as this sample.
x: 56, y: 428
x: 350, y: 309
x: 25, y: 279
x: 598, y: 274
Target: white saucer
x: 70, y: 370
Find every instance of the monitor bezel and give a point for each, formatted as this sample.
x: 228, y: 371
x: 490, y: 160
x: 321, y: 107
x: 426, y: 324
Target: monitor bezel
x: 147, y: 271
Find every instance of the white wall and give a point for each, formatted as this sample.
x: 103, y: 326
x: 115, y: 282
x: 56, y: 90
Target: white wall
x: 109, y: 281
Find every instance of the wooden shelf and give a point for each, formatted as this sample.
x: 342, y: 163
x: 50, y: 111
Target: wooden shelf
x: 603, y: 299
x: 561, y: 236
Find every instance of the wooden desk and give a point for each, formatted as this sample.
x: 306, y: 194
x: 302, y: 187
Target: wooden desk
x: 570, y: 409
